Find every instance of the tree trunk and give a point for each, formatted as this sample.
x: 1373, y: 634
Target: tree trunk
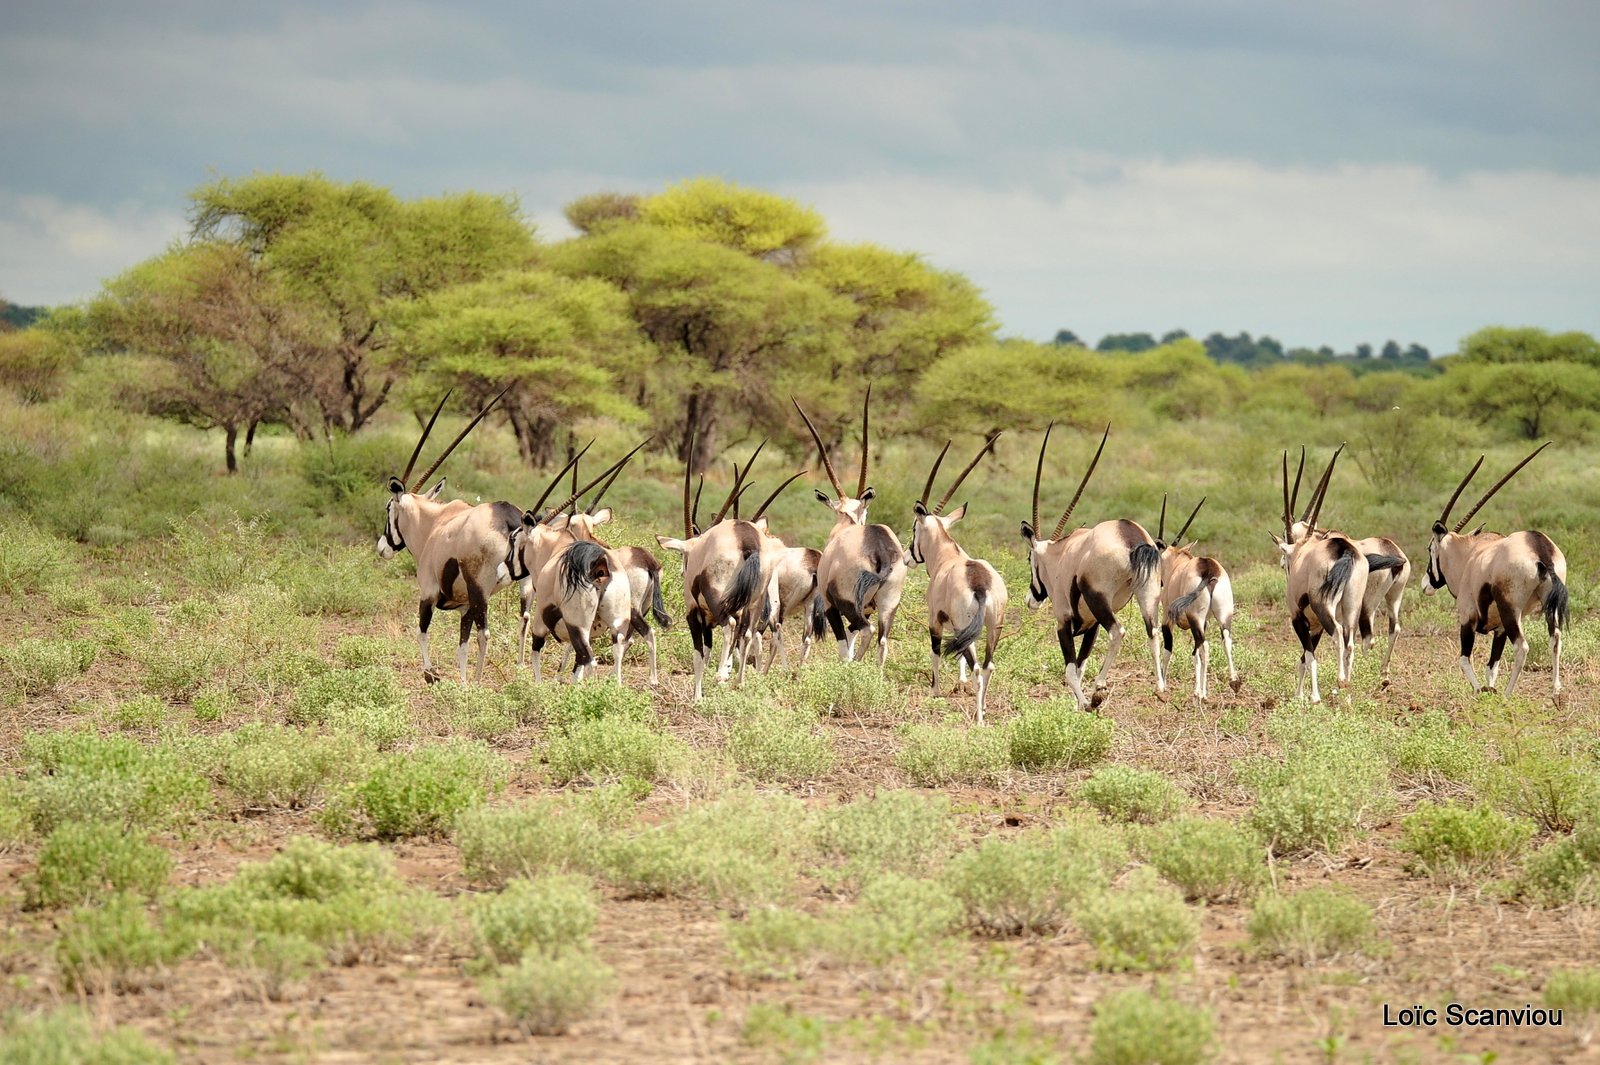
x: 228, y: 443
x: 700, y: 421
x: 250, y: 437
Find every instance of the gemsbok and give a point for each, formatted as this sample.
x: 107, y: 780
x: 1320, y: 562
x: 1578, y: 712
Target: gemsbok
x: 1326, y: 586
x: 1088, y: 576
x: 1497, y: 580
x: 966, y: 595
x: 1195, y: 590
x: 862, y: 571
x: 1388, y: 573
x: 460, y: 548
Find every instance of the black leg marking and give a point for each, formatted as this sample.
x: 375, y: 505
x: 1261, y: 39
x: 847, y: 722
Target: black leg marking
x: 1510, y: 623
x: 1467, y: 637
x: 1166, y: 637
x: 582, y: 653
x: 1485, y: 598
x: 1064, y: 637
x: 537, y: 642
x: 1496, y: 647
x: 935, y: 640
x: 1088, y: 645
x: 424, y: 615
x: 1302, y: 629
x: 835, y: 622
x: 1100, y: 608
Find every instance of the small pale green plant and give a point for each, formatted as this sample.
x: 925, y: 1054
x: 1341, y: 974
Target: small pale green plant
x: 1142, y: 925
x: 1206, y: 858
x: 776, y: 743
x: 1030, y: 882
x: 68, y: 1037
x: 84, y: 861
x: 1311, y: 925
x: 545, y: 994
x: 1055, y: 735
x: 933, y: 756
x: 1459, y: 843
x: 1123, y: 793
x: 549, y: 915
x: 904, y: 832
x: 1133, y: 1027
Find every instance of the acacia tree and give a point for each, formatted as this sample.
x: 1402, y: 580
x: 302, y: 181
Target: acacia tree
x: 346, y: 253
x: 230, y: 338
x: 561, y: 344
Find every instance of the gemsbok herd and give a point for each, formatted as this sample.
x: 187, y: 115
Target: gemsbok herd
x: 738, y: 576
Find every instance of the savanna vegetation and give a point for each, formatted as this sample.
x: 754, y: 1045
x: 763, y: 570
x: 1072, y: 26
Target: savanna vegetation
x: 234, y: 822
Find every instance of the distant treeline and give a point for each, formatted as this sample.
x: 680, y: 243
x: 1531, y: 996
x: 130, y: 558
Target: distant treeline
x: 1255, y: 353
x: 14, y: 317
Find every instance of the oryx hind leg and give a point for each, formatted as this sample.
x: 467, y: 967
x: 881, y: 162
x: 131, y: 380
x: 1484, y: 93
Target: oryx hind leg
x: 424, y: 619
x: 1511, y: 628
x: 935, y: 656
x: 1064, y: 635
x: 886, y: 613
x: 474, y: 616
x: 1468, y: 636
x: 1148, y: 596
x: 1105, y: 618
x: 1202, y: 654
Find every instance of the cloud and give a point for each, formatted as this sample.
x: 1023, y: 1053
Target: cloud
x: 53, y: 252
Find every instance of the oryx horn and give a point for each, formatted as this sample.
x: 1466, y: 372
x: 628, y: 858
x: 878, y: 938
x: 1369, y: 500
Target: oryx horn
x: 866, y: 441
x: 423, y: 439
x: 1161, y: 527
x: 738, y: 480
x: 1062, y: 524
x: 1294, y: 493
x: 1288, y: 504
x: 927, y: 489
x: 551, y: 487
x: 595, y: 502
x: 1322, y: 490
x: 988, y: 446
x: 473, y: 424
x: 822, y: 449
x: 1501, y: 483
x: 688, y: 475
x: 1179, y: 538
x: 1462, y: 487
x: 776, y: 492
x: 614, y: 468
x: 1038, y: 471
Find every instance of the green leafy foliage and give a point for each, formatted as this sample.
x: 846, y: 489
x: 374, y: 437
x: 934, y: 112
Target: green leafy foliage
x: 1133, y: 1027
x: 1123, y: 793
x: 421, y: 792
x: 545, y: 994
x: 1206, y: 858
x: 1031, y: 882
x: 1461, y: 843
x: 1311, y: 925
x: 1057, y: 735
x: 67, y: 1036
x: 548, y: 915
x: 82, y: 862
x: 1143, y: 924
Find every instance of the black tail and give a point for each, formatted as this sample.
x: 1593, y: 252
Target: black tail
x: 1143, y: 558
x: 746, y: 583
x: 817, y: 619
x: 1339, y: 574
x: 1379, y: 563
x: 582, y: 565
x: 1555, y: 600
x: 967, y: 635
x: 658, y: 605
x: 1181, y: 605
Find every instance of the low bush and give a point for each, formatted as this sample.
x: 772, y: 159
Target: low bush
x: 419, y: 793
x: 1030, y: 882
x: 1460, y: 843
x: 86, y: 861
x: 898, y: 919
x: 113, y: 945
x: 1126, y: 794
x: 320, y: 697
x: 1331, y: 779
x: 82, y: 776
x: 1133, y: 1027
x: 1432, y: 750
x: 68, y: 1037
x: 39, y: 666
x: 267, y: 767
x: 903, y: 832
x: 1056, y: 735
x: 566, y: 706
x: 32, y: 560
x: 552, y: 834
x: 776, y: 743
x: 1311, y: 925
x: 1206, y: 858
x: 1574, y: 991
x: 773, y: 943
x: 934, y: 756
x: 479, y: 712
x: 1559, y: 873
x: 549, y: 915
x: 1142, y: 925
x: 1544, y: 784
x: 845, y: 689
x: 613, y: 748
x: 546, y: 993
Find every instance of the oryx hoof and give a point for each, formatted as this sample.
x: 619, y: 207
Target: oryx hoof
x: 1383, y: 684
x: 1236, y: 683
x: 1097, y: 698
x: 431, y: 676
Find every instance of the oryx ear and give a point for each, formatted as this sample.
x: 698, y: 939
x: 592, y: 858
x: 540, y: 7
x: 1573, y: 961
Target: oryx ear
x: 670, y: 544
x: 601, y: 516
x: 396, y: 486
x: 919, y: 510
x: 694, y: 530
x: 1479, y: 530
x: 529, y: 518
x: 433, y: 493
x: 1027, y: 532
x: 824, y: 500
x: 956, y: 515
x: 558, y: 522
x: 760, y: 523
x: 867, y: 496
x: 1189, y: 546
x: 1439, y: 528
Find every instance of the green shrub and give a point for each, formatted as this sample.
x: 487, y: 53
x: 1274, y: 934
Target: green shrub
x: 792, y: 1037
x: 1574, y: 991
x: 357, y: 652
x: 16, y: 819
x: 39, y: 666
x: 269, y: 767
x: 1029, y: 882
x: 1311, y: 925
x: 142, y: 713
x: 32, y: 560
x: 82, y: 776
x: 113, y: 945
x: 479, y: 712
x: 743, y: 848
x: 422, y: 792
x: 545, y: 993
x: 368, y: 686
x: 844, y: 689
x: 1133, y: 1027
x: 613, y: 748
x: 1332, y: 778
x: 1559, y: 873
x: 566, y: 706
x: 272, y: 961
x: 85, y: 861
x: 897, y: 919
x: 1545, y: 785
x: 384, y: 725
x: 1057, y: 735
x: 1123, y: 793
x: 549, y: 915
x: 211, y: 705
x: 67, y: 1037
x: 779, y: 743
x: 1143, y: 925
x: 933, y: 756
x: 777, y: 944
x: 891, y: 832
x: 1206, y: 858
x: 1460, y: 844
x: 1432, y: 748
x: 555, y: 834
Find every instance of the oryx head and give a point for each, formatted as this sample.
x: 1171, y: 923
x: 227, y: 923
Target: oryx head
x: 1448, y: 540
x: 849, y: 510
x: 556, y: 520
x: 1174, y: 551
x: 927, y: 524
x: 397, y: 511
x: 1298, y: 532
x: 1038, y: 546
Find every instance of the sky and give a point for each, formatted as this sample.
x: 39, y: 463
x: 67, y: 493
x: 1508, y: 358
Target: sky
x: 1326, y: 173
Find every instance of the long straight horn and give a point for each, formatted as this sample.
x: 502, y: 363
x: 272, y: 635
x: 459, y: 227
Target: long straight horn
x: 611, y: 470
x: 988, y: 446
x: 1062, y: 524
x: 927, y: 489
x: 1288, y: 503
x: 1161, y: 528
x: 574, y: 484
x: 1322, y: 489
x: 423, y: 439
x: 776, y: 492
x: 866, y: 441
x: 551, y: 487
x: 1316, y: 495
x: 1038, y: 471
x: 688, y: 476
x: 1462, y: 487
x: 1501, y: 483
x: 1179, y: 538
x: 473, y: 424
x: 699, y: 487
x: 595, y: 502
x: 822, y: 449
x: 738, y: 481
x: 1294, y: 494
